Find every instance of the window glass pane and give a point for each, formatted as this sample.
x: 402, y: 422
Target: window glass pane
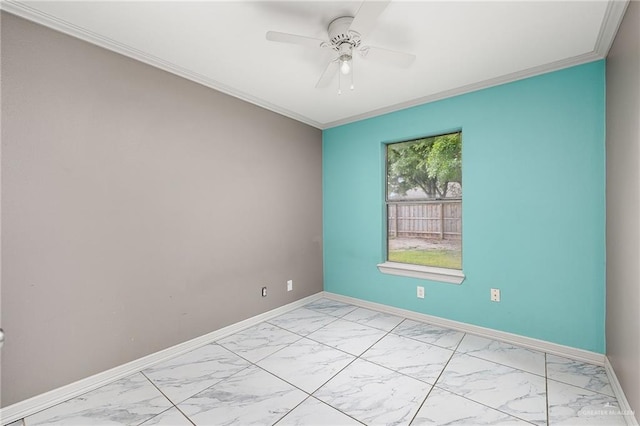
x: 425, y: 169
x: 424, y: 201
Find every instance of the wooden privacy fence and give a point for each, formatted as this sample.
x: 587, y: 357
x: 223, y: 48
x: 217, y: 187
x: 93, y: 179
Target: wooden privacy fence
x: 428, y: 219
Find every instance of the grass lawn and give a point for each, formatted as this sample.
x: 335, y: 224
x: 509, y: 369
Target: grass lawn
x: 440, y: 258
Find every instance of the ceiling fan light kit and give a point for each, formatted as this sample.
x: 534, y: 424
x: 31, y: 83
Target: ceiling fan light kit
x: 345, y: 58
x: 345, y: 35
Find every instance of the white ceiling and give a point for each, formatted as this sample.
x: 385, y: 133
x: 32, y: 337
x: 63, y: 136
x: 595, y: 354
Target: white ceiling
x: 460, y: 46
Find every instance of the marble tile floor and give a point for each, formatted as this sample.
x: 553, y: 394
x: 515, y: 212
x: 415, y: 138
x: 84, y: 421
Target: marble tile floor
x: 330, y: 363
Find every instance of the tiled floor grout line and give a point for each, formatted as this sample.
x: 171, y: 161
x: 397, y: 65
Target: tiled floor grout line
x: 423, y: 401
x: 480, y: 403
x: 310, y: 395
x: 295, y: 386
x: 453, y: 352
x: 159, y: 390
x: 327, y: 381
x: 341, y: 350
x: 387, y: 333
x: 301, y: 337
x: 175, y: 405
x: 399, y: 372
x: 185, y: 415
x: 435, y: 385
x: 290, y: 411
x: 397, y: 333
x: 24, y: 422
x: 290, y: 344
x: 295, y: 332
x: 546, y: 387
x: 361, y: 322
x: 583, y: 388
x: 504, y: 365
x: 246, y: 359
x: 251, y: 364
x: 312, y: 339
x: 508, y: 414
x: 162, y: 412
x: 156, y: 363
x: 356, y: 357
x: 330, y: 406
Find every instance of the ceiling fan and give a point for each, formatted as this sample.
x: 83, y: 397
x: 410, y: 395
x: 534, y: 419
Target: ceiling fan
x: 345, y: 35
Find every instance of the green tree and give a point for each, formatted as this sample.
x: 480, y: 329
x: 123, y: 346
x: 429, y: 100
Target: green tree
x: 428, y: 164
x: 444, y: 161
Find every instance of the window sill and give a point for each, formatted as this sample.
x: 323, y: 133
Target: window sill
x: 451, y: 276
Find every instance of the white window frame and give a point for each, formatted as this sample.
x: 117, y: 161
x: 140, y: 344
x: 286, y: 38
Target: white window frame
x: 432, y: 273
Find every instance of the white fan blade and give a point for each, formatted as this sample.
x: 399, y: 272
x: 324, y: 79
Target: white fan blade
x: 295, y: 39
x: 391, y: 57
x: 328, y: 74
x: 367, y: 15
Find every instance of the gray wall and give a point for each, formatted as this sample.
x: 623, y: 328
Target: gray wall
x: 139, y: 209
x: 623, y: 205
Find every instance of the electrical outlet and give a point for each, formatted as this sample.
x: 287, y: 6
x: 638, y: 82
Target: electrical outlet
x: 420, y: 292
x: 264, y: 292
x: 495, y: 294
x: 289, y: 285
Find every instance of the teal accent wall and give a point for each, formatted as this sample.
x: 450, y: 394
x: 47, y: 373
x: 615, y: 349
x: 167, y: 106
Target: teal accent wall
x: 533, y: 207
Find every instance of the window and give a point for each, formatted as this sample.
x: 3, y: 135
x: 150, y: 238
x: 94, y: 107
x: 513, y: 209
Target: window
x: 424, y: 205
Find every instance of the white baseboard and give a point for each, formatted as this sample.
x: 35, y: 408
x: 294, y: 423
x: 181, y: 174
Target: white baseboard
x: 535, y: 344
x: 40, y: 402
x: 528, y: 342
x: 625, y: 408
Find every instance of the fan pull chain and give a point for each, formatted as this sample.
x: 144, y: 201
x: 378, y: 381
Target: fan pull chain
x: 339, y: 83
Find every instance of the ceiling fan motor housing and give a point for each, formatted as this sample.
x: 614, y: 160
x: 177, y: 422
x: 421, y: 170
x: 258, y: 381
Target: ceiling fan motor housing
x: 339, y: 33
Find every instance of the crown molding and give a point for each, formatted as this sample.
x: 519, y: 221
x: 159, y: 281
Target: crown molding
x: 608, y: 29
x: 610, y: 24
x: 473, y: 87
x: 23, y: 10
